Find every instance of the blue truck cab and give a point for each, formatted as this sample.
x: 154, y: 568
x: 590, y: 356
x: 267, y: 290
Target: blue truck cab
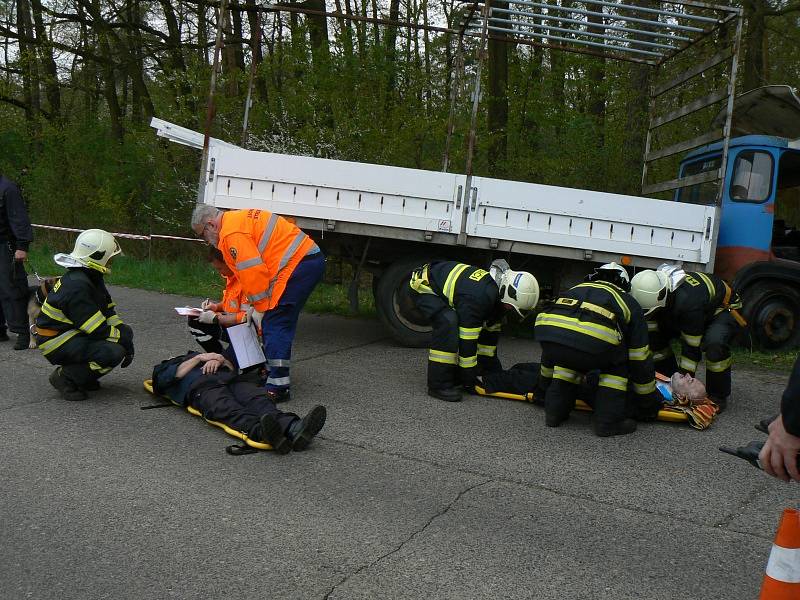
x: 758, y: 244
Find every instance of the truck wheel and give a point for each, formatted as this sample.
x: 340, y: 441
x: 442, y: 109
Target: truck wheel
x: 395, y: 305
x: 772, y: 311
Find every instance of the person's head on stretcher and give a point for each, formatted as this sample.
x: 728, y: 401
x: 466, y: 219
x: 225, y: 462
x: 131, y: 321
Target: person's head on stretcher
x: 686, y: 386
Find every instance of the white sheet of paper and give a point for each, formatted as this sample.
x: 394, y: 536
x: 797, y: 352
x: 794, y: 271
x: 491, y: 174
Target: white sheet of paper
x: 246, y: 344
x: 188, y: 311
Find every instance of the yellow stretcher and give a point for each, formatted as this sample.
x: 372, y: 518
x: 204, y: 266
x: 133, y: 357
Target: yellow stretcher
x: 148, y: 385
x: 670, y: 415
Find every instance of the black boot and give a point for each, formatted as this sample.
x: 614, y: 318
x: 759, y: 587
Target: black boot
x: 278, y: 396
x: 3, y: 335
x: 23, y: 341
x: 67, y: 389
x: 447, y: 394
x: 623, y: 427
x: 272, y: 434
x: 720, y: 401
x: 302, y: 431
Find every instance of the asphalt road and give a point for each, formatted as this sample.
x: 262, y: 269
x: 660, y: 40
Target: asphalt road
x: 401, y: 496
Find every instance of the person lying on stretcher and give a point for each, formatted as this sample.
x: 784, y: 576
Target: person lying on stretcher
x: 680, y: 392
x: 209, y: 383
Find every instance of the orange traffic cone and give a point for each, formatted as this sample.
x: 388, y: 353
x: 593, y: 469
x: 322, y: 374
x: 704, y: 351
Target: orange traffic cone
x: 782, y: 579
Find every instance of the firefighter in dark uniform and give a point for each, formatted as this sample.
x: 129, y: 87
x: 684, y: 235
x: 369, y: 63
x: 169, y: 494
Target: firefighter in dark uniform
x: 465, y: 305
x: 78, y: 328
x: 16, y: 234
x: 597, y: 325
x: 700, y: 309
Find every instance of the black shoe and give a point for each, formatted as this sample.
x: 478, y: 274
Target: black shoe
x: 303, y: 430
x: 67, y: 389
x: 556, y: 413
x: 3, y: 336
x: 278, y: 396
x: 23, y: 341
x: 554, y: 420
x: 92, y: 386
x: 623, y: 427
x: 722, y: 403
x: 446, y: 394
x: 272, y: 434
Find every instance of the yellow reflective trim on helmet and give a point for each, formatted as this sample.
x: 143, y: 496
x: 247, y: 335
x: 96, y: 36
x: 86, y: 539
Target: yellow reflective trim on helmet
x: 440, y: 356
x: 692, y: 340
x: 639, y: 353
x: 450, y: 283
x: 600, y: 332
x: 58, y: 341
x: 645, y: 388
x: 55, y: 314
x: 614, y: 382
x: 688, y: 364
x: 565, y: 374
x: 467, y: 362
x: 93, y: 322
x: 626, y: 312
x: 720, y: 365
x: 469, y: 333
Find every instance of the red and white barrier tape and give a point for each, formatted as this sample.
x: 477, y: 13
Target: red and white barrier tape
x: 130, y: 236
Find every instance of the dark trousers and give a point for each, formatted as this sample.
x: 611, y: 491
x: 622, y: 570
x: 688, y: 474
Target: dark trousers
x: 84, y: 360
x: 13, y: 292
x: 237, y: 404
x: 209, y: 335
x: 280, y: 323
x: 569, y: 367
x: 443, y: 353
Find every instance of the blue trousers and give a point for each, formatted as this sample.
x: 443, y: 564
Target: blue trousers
x: 280, y: 323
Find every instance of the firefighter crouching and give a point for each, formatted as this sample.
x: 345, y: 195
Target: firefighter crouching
x: 78, y: 327
x: 465, y: 305
x: 700, y: 309
x: 597, y: 325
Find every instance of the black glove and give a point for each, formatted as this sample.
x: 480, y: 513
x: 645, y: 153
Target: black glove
x: 127, y: 360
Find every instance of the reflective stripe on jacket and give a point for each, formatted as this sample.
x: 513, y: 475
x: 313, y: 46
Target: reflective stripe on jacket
x: 263, y: 249
x: 234, y: 300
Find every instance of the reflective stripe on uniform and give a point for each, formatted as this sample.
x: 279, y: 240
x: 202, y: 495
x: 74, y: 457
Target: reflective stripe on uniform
x: 55, y: 314
x: 719, y: 366
x: 652, y: 326
x: 484, y: 350
x: 114, y: 320
x: 546, y: 372
x: 100, y: 369
x: 469, y: 333
x: 639, y: 353
x: 567, y: 375
x: 712, y: 289
x: 467, y: 362
x: 626, y: 312
x: 662, y: 354
x: 279, y: 362
x: 603, y: 312
x: 278, y: 381
x: 645, y: 388
x: 259, y: 296
x: 449, y: 287
x: 440, y: 356
x: 58, y: 341
x: 264, y: 241
x: 692, y: 340
x: 287, y: 256
x: 615, y: 382
x: 93, y: 322
x: 250, y: 262
x: 594, y: 330
x: 113, y: 334
x: 688, y: 364
x: 494, y: 328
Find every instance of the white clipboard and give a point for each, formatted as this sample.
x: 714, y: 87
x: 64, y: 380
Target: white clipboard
x: 246, y: 344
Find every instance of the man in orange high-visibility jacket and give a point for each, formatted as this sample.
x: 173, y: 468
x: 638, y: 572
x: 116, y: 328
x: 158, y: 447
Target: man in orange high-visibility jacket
x: 277, y: 266
x: 208, y: 329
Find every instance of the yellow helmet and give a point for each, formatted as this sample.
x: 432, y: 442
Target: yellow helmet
x: 650, y: 289
x: 93, y: 249
x: 519, y: 289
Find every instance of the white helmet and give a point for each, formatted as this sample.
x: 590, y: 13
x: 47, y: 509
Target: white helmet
x: 613, y: 273
x: 519, y: 289
x: 650, y: 288
x: 93, y: 249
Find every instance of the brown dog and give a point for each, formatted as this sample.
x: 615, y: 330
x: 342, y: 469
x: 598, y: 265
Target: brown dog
x: 37, y: 294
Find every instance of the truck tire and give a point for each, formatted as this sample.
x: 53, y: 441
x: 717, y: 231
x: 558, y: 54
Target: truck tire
x: 772, y: 310
x: 395, y: 305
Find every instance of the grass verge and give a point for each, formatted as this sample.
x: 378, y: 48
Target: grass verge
x: 186, y: 277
